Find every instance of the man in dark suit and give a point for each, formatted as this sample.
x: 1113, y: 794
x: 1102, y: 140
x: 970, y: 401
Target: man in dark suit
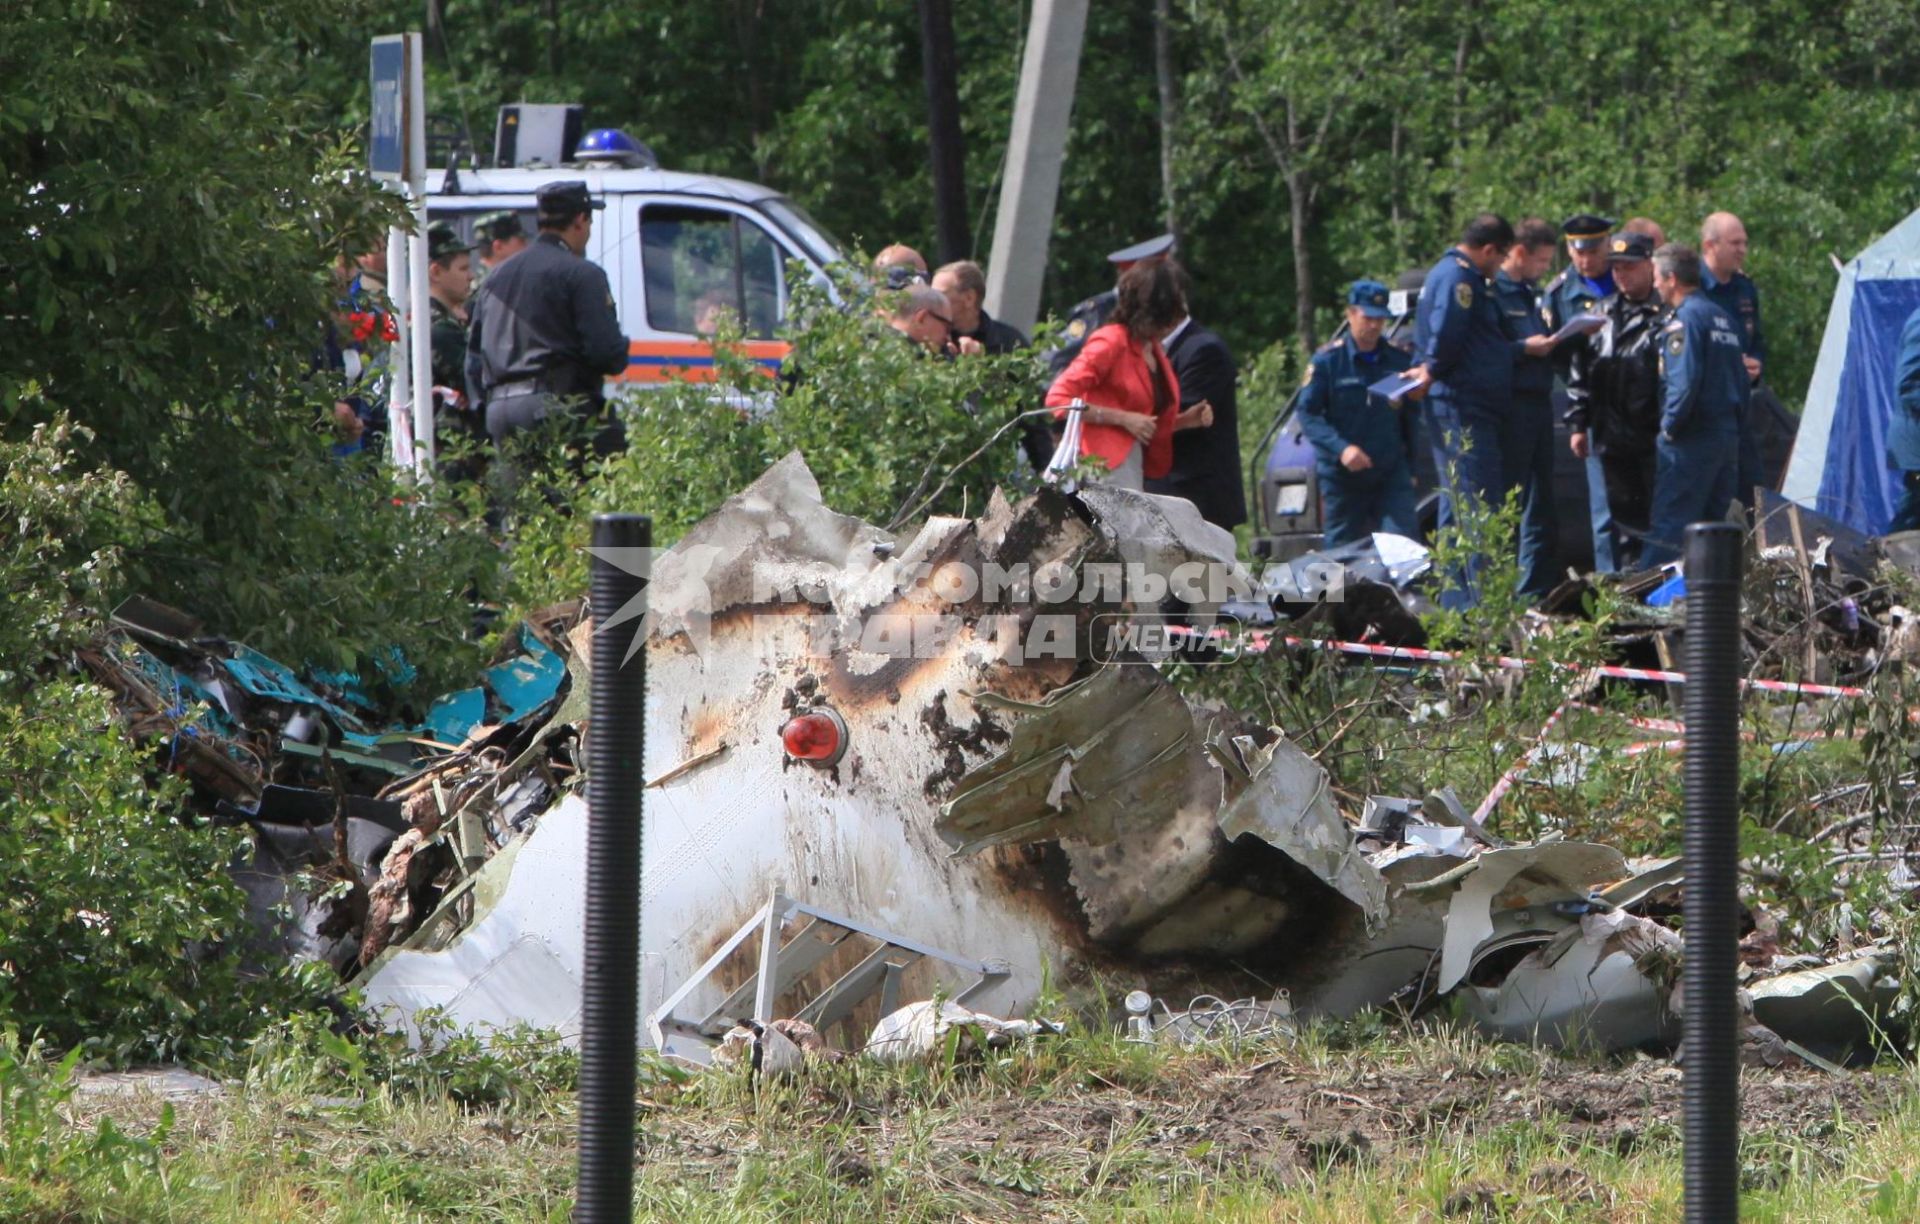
x: 1206, y: 461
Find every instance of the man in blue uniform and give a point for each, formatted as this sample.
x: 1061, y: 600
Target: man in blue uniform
x: 1088, y: 316
x: 1588, y: 277
x: 1903, y: 434
x: 1360, y: 451
x: 1703, y: 400
x: 1582, y: 285
x: 1527, y: 444
x: 1466, y: 357
x: 1723, y: 258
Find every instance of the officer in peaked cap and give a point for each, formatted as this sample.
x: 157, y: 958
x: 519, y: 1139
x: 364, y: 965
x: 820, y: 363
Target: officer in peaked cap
x: 1089, y: 315
x: 1614, y: 398
x: 1360, y: 449
x: 544, y: 335
x: 1586, y: 281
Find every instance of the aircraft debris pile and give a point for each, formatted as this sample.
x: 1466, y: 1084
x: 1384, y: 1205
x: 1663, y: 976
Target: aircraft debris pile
x: 884, y: 770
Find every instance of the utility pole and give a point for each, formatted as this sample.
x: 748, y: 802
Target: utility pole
x: 943, y: 131
x: 1042, y: 113
x: 1169, y: 109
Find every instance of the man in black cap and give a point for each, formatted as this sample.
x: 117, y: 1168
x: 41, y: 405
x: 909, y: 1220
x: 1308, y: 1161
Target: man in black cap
x: 449, y: 287
x: 1587, y: 279
x: 1613, y: 385
x: 544, y: 335
x: 1087, y: 317
x: 497, y: 237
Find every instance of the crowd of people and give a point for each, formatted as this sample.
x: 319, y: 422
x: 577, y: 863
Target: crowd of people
x: 1157, y: 389
x: 1656, y: 348
x: 1649, y: 349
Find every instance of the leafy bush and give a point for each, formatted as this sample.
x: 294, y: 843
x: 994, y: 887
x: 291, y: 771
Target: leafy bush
x: 112, y: 912
x: 891, y: 433
x: 41, y: 1154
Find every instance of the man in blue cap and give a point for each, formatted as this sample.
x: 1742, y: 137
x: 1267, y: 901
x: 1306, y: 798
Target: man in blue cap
x: 1360, y: 450
x: 1087, y: 317
x: 544, y: 335
x: 1903, y: 433
x: 1527, y: 445
x: 1703, y: 402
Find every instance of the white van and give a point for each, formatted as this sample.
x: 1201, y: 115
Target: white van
x: 668, y: 241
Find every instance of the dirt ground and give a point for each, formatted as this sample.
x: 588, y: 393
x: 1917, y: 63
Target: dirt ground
x: 1275, y: 1113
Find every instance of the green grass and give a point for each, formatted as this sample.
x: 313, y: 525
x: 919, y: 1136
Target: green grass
x: 1357, y: 1122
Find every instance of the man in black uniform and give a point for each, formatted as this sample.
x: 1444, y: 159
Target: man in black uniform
x: 1206, y: 460
x: 544, y: 335
x: 1614, y: 389
x: 1084, y: 319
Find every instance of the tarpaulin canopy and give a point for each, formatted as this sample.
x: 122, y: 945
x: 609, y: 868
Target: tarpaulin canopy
x: 1839, y: 464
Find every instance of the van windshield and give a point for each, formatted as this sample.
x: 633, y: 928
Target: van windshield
x: 803, y: 229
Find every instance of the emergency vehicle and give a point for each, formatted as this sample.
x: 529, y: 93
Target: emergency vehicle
x: 675, y: 246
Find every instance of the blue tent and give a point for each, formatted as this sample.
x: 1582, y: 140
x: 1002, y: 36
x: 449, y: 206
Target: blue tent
x: 1839, y: 463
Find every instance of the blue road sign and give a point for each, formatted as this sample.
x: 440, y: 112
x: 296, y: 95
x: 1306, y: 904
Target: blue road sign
x: 387, y: 131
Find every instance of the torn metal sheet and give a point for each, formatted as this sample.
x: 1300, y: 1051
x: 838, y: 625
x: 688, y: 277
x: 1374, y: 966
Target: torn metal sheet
x: 1522, y: 883
x: 528, y: 681
x: 1091, y: 756
x: 519, y: 958
x: 772, y: 541
x: 453, y: 716
x: 1164, y: 534
x: 1838, y: 1011
x: 1289, y: 805
x: 1603, y: 984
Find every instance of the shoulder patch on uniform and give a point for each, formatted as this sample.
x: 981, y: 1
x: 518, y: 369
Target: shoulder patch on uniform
x: 1557, y: 281
x: 1076, y: 329
x: 1676, y: 342
x: 1463, y: 295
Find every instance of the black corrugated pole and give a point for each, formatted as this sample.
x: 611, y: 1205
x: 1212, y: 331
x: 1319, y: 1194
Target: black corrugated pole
x: 944, y: 146
x: 609, y: 1017
x: 1712, y: 847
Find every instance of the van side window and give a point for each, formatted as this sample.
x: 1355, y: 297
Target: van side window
x: 699, y: 261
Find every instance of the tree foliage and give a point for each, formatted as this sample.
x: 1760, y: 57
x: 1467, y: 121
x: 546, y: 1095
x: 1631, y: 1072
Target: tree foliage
x: 1410, y: 114
x: 891, y: 432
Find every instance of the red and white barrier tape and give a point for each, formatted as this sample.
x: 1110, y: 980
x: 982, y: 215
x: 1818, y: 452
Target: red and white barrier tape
x: 1259, y: 642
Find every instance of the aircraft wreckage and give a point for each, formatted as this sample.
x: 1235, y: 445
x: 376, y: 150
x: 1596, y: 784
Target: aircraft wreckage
x: 883, y: 769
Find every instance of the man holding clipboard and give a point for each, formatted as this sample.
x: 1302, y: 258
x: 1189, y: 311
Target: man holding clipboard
x: 1349, y: 410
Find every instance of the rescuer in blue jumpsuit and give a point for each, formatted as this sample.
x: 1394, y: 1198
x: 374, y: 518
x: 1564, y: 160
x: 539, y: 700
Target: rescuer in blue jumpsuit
x: 1527, y: 444
x: 1360, y: 452
x: 1467, y: 359
x: 1703, y: 404
x: 1724, y: 282
x: 1582, y: 285
x: 1903, y: 433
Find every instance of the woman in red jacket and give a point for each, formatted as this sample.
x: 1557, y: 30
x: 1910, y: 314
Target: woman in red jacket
x: 1123, y: 376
